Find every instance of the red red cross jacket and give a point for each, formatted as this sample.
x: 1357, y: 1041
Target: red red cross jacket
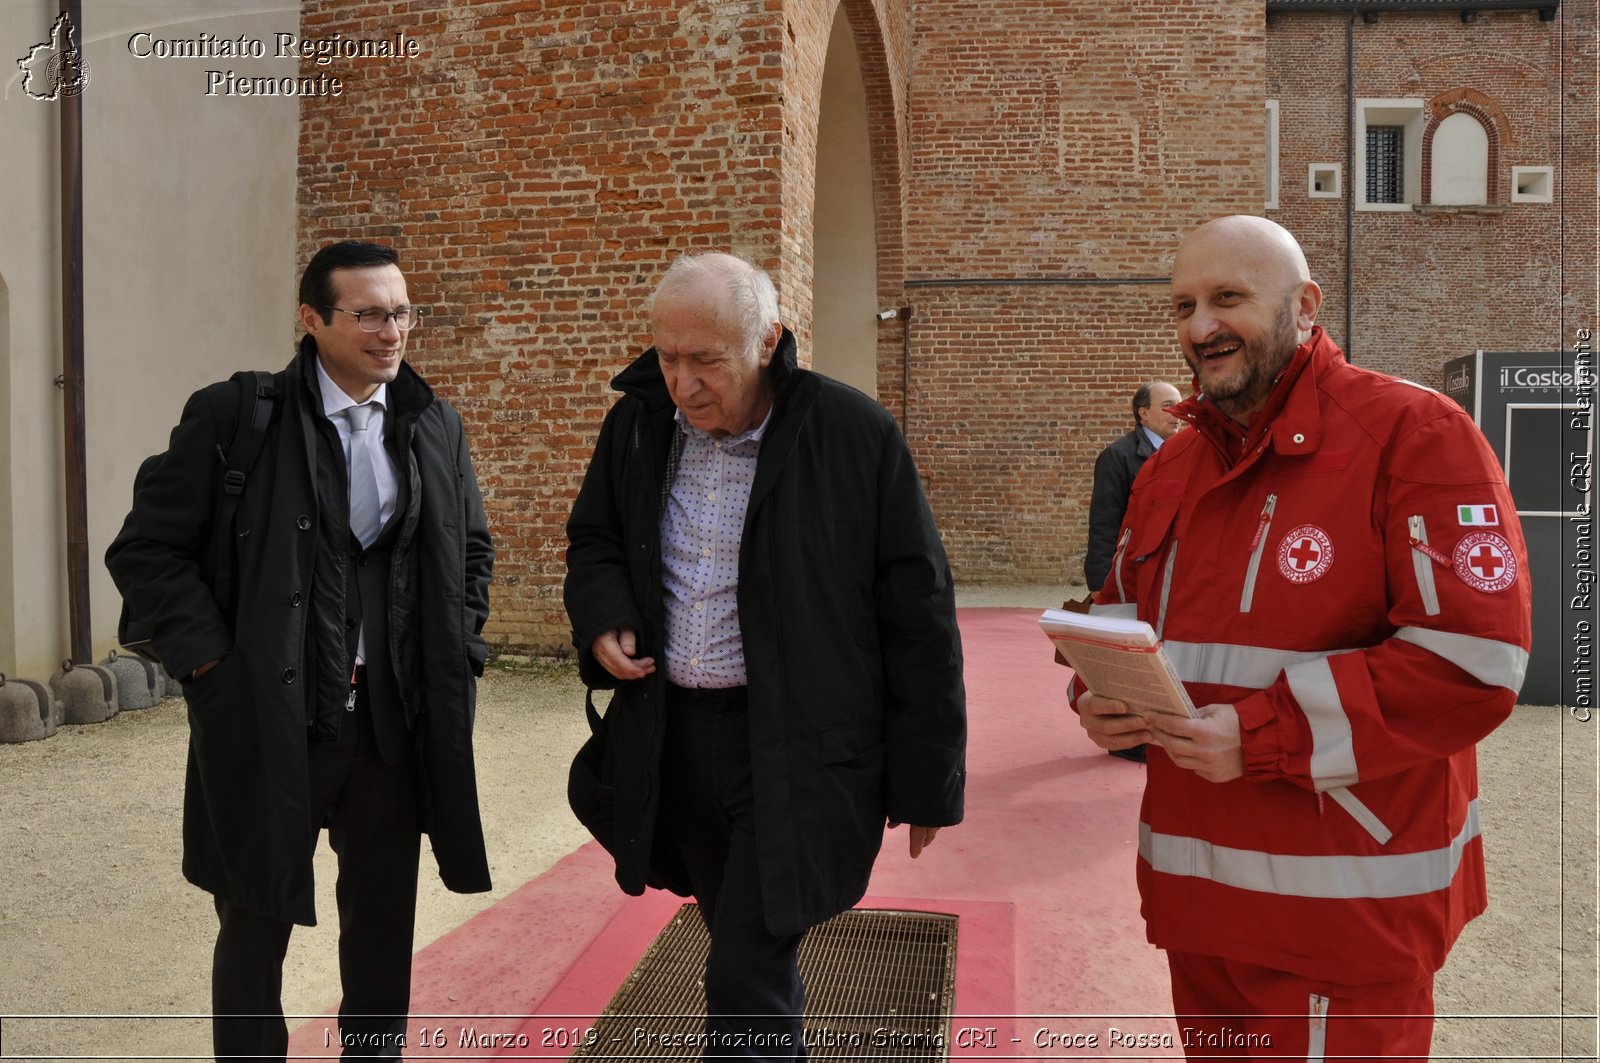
x: 1356, y: 584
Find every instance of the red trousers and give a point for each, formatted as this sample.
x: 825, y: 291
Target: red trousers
x: 1227, y: 1009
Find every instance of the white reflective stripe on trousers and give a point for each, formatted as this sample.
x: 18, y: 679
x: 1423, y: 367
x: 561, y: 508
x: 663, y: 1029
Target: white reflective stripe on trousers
x: 1317, y: 1035
x: 1332, y: 877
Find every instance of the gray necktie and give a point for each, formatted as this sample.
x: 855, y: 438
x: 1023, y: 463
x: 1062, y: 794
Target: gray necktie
x: 364, y: 520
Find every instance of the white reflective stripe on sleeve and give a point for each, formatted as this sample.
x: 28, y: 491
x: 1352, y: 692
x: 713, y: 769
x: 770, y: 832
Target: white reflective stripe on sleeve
x: 1330, y: 877
x: 1253, y: 667
x: 1496, y: 664
x: 1128, y: 611
x: 1362, y: 814
x: 1333, y: 750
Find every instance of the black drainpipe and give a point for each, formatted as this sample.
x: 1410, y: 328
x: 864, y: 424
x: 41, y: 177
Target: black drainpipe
x: 1349, y: 338
x: 72, y: 350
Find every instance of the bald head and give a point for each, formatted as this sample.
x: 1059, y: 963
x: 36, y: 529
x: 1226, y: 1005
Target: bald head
x: 1255, y: 243
x: 1243, y: 300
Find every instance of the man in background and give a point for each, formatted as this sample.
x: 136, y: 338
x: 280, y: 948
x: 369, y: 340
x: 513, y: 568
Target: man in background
x: 1114, y: 471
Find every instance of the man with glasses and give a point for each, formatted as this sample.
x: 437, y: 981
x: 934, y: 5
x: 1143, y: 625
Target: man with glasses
x: 336, y: 688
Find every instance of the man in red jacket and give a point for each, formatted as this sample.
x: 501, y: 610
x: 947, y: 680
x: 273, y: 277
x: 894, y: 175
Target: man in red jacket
x: 1334, y: 564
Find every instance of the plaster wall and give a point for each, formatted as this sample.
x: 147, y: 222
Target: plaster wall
x: 188, y: 263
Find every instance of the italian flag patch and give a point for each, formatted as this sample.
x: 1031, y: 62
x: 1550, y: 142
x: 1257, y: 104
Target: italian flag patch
x: 1478, y: 516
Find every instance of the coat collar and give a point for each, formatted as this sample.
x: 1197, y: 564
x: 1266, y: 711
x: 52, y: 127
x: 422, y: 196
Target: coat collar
x: 642, y: 378
x: 793, y: 392
x: 408, y: 393
x: 1291, y: 421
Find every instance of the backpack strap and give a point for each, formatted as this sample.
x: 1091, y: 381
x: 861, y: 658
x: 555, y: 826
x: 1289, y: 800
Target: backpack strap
x: 257, y: 398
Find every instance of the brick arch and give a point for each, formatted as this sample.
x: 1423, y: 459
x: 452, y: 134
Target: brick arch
x: 878, y: 29
x: 881, y: 78
x: 885, y: 125
x: 1487, y: 113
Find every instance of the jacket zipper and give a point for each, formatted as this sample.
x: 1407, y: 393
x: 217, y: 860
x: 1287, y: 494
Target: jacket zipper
x: 1257, y: 545
x: 1116, y: 564
x: 1317, y: 1042
x: 1166, y: 589
x: 1423, y: 558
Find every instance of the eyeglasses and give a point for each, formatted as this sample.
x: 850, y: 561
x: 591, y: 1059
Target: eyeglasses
x: 405, y: 319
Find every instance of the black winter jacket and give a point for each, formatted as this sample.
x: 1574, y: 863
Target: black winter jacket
x: 282, y: 653
x: 846, y: 607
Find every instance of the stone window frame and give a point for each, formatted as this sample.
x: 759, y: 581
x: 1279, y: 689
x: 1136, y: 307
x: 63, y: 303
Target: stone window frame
x: 1274, y: 171
x: 1334, y: 171
x: 1547, y: 196
x: 1409, y: 113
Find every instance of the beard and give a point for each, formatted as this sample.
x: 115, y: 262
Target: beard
x: 1259, y: 363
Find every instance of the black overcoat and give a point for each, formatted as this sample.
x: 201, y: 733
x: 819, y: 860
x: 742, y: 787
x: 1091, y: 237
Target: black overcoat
x: 281, y: 651
x: 847, y: 611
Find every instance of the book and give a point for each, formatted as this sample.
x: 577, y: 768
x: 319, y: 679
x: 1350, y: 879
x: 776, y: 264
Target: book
x: 1118, y: 658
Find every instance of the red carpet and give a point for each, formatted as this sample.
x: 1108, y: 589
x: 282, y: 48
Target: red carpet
x: 1041, y: 873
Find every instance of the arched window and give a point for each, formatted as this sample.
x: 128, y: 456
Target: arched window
x: 1460, y: 158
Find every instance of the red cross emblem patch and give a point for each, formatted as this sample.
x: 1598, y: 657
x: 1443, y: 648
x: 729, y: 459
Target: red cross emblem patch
x: 1305, y: 554
x: 1484, y: 560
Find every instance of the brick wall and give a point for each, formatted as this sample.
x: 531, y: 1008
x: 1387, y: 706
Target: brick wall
x: 1432, y: 286
x: 1073, y: 148
x: 539, y: 165
x: 541, y: 162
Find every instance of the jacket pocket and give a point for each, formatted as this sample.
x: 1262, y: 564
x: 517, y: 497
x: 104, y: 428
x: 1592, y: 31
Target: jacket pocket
x: 1257, y: 546
x: 1148, y: 539
x: 839, y: 745
x: 1361, y: 814
x: 1422, y: 562
x: 1116, y: 565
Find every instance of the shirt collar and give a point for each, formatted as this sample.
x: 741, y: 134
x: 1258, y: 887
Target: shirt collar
x: 752, y: 436
x: 1155, y: 440
x: 335, y: 401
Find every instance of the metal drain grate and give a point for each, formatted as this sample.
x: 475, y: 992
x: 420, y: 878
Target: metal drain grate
x: 879, y: 985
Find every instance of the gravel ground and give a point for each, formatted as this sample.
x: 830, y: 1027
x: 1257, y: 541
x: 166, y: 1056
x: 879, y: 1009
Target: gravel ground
x: 95, y: 919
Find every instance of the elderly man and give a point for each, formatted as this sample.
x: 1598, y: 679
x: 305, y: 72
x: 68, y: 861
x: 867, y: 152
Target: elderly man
x: 754, y: 568
x: 335, y: 687
x: 1335, y: 565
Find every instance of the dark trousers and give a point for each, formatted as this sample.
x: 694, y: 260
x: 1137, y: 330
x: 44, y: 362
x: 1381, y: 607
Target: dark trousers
x: 754, y: 996
x: 370, y: 810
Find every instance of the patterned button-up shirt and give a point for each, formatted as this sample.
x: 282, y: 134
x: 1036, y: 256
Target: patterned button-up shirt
x: 700, y: 534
